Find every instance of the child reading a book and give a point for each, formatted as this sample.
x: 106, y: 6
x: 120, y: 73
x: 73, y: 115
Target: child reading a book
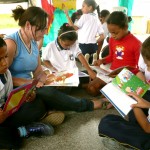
x: 124, y: 50
x: 144, y: 64
x: 20, y: 124
x: 134, y: 133
x: 61, y: 53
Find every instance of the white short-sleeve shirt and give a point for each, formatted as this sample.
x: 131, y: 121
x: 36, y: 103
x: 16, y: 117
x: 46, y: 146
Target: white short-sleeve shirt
x: 6, y: 88
x: 106, y: 32
x: 89, y: 26
x: 143, y: 68
x: 61, y: 59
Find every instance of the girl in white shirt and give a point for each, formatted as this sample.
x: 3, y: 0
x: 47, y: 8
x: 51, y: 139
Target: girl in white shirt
x: 61, y: 53
x: 88, y: 27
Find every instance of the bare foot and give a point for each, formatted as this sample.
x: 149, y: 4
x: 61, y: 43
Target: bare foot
x: 102, y: 103
x: 97, y: 104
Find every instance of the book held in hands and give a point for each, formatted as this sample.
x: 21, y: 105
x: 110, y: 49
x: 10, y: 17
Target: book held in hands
x: 117, y: 90
x: 17, y: 96
x: 63, y: 78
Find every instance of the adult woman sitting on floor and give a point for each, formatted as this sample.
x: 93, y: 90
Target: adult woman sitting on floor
x: 24, y: 60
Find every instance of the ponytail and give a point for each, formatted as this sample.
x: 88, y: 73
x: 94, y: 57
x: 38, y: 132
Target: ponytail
x: 98, y: 10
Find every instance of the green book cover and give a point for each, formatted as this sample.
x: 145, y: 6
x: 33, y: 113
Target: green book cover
x: 128, y: 82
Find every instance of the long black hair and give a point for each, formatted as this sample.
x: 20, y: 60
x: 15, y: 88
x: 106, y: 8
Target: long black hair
x: 35, y: 15
x: 67, y: 32
x: 118, y: 18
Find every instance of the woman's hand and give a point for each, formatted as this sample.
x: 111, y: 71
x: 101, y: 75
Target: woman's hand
x: 50, y: 78
x: 141, y: 103
x: 3, y: 116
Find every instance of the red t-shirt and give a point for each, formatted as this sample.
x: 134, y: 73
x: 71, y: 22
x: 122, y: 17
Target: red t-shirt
x: 124, y: 52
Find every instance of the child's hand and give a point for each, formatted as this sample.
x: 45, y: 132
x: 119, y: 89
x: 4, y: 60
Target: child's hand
x: 98, y: 62
x: 3, y: 116
x: 66, y: 12
x: 141, y: 103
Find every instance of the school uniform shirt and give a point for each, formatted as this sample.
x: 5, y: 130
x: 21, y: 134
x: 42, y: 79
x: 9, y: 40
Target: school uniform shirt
x: 60, y: 58
x: 89, y: 26
x: 143, y: 68
x: 106, y: 32
x: 6, y: 86
x: 124, y: 52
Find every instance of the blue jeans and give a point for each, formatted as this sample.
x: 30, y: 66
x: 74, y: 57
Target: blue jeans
x: 47, y: 98
x: 55, y: 99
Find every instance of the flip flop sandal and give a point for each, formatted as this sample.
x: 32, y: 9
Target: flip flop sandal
x: 104, y: 105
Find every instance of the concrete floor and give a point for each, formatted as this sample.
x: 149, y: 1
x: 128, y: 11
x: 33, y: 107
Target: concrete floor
x: 78, y: 132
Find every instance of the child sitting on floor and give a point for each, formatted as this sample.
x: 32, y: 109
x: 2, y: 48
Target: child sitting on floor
x: 60, y: 54
x: 134, y: 133
x: 124, y: 50
x: 19, y: 124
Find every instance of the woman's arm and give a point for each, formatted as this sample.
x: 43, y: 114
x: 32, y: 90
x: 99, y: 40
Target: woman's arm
x: 11, y: 47
x: 20, y: 81
x: 91, y: 73
x: 40, y: 73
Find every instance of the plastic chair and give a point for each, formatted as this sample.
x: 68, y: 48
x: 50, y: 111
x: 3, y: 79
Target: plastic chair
x: 120, y: 8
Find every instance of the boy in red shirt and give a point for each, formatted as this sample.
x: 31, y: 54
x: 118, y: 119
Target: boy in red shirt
x: 124, y: 50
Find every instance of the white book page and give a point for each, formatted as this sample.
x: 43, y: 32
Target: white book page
x: 100, y: 70
x: 73, y: 80
x: 83, y: 74
x: 118, y: 98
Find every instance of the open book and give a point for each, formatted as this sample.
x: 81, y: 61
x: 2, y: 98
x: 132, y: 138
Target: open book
x: 17, y: 96
x: 63, y: 78
x: 109, y: 73
x: 123, y: 83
